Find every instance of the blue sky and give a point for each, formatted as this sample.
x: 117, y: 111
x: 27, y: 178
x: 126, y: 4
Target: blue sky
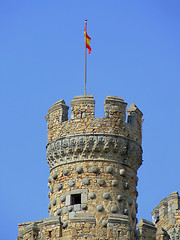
x: 135, y: 55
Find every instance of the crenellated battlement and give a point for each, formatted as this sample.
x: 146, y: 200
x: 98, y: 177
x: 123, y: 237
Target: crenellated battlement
x: 167, y: 206
x: 83, y: 120
x: 167, y: 215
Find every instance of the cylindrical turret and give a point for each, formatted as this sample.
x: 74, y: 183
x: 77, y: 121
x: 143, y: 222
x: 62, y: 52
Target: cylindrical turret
x: 93, y: 169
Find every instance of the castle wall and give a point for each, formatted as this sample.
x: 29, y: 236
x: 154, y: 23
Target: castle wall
x: 167, y: 215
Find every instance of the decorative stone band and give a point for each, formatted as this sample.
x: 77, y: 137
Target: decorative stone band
x: 97, y: 146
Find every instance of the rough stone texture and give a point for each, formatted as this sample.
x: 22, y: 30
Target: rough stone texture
x: 119, y: 197
x: 166, y: 220
x: 109, y: 169
x: 122, y: 172
x: 54, y: 175
x: 161, y: 234
x: 106, y: 195
x: 59, y: 186
x: 88, y: 157
x: 92, y: 195
x: 147, y: 230
x: 166, y: 217
x: 79, y: 169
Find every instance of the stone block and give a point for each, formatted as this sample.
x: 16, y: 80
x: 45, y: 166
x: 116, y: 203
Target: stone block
x: 93, y: 169
x: 130, y: 201
x: 125, y: 211
x: 109, y: 169
x: 65, y: 224
x: 66, y: 172
x: 79, y: 169
x: 114, y: 209
x: 131, y: 174
x: 54, y: 175
x: 71, y: 183
x: 62, y: 198
x: 50, y: 179
x: 59, y: 186
x: 119, y: 198
x: 114, y: 183
x: 126, y: 185
x: 59, y: 211
x: 133, y: 215
x: 70, y: 208
x: 92, y: 195
x: 99, y: 208
x: 53, y: 202
x: 106, y: 195
x: 64, y: 210
x: 84, y: 197
x: 84, y: 206
x: 82, y: 217
x: 77, y: 207
x: 85, y: 181
x: 104, y: 223
x: 122, y: 172
x: 101, y: 182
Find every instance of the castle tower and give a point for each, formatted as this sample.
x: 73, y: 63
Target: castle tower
x: 93, y: 169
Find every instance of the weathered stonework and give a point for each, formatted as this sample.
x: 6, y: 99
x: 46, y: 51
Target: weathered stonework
x: 166, y: 217
x: 166, y: 221
x: 147, y: 230
x: 93, y: 166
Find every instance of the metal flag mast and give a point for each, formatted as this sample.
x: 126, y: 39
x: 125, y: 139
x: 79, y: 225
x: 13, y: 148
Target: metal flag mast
x: 85, y: 35
x: 87, y: 41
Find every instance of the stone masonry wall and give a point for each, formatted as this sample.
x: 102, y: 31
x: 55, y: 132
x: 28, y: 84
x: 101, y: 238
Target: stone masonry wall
x: 167, y: 215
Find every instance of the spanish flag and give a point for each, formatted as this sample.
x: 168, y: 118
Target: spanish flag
x: 87, y: 38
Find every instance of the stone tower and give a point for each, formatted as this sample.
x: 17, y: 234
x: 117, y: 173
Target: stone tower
x: 93, y: 169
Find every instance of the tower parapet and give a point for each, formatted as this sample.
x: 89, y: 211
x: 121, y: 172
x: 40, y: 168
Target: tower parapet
x: 93, y: 168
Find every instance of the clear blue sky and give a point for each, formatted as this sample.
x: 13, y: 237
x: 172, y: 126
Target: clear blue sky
x: 135, y: 55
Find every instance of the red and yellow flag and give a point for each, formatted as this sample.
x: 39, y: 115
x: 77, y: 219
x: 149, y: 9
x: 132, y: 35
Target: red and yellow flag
x: 87, y: 38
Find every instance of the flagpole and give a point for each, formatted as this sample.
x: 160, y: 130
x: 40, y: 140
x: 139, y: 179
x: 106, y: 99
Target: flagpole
x: 85, y: 55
